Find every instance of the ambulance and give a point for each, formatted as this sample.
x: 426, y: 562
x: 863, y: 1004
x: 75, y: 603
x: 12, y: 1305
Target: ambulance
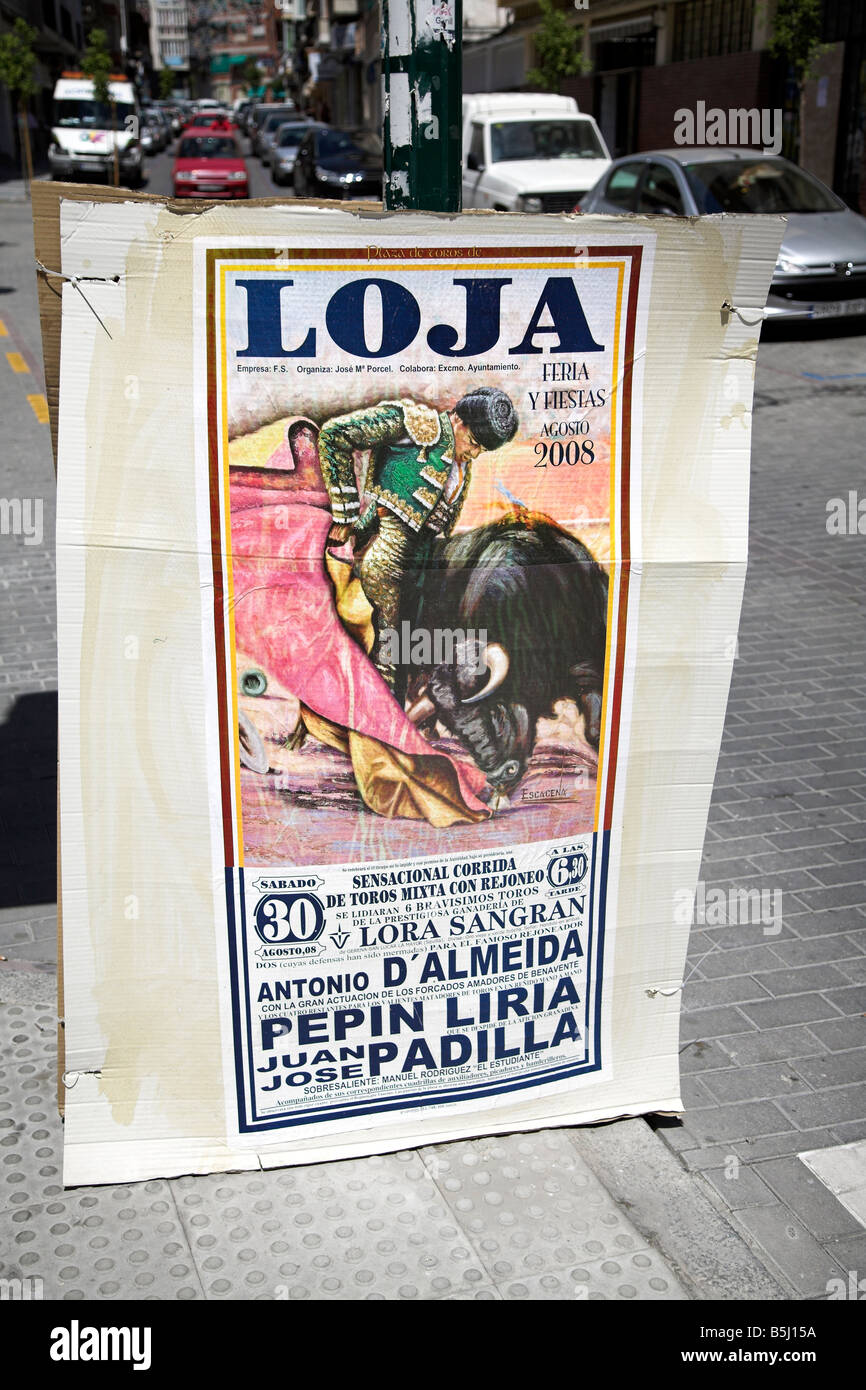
x: 84, y: 131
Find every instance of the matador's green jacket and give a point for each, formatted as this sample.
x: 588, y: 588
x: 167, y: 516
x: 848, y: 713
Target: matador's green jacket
x: 411, y: 459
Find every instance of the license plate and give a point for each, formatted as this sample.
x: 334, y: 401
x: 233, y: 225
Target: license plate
x: 209, y: 188
x: 838, y: 309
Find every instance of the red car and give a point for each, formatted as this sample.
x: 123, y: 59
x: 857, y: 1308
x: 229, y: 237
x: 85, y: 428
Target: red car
x: 209, y: 164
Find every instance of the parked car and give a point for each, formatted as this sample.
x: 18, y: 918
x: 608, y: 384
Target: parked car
x: 821, y: 269
x: 172, y: 113
x: 164, y: 124
x: 241, y: 111
x: 209, y: 164
x: 270, y: 132
x: 157, y: 128
x: 528, y: 152
x: 215, y: 120
x: 338, y: 164
x: 267, y: 125
x: 150, y: 136
x: 282, y: 150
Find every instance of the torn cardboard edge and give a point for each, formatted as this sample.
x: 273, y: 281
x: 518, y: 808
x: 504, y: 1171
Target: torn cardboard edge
x: 46, y: 199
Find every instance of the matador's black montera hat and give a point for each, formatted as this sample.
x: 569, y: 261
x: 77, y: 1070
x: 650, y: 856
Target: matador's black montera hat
x: 489, y: 414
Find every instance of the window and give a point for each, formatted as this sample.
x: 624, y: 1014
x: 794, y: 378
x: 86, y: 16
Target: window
x: 659, y: 192
x: 356, y: 143
x: 760, y: 185
x: 208, y: 147
x: 543, y: 140
x: 289, y: 135
x: 707, y: 29
x: 622, y: 186
x: 83, y: 114
x: 476, y: 148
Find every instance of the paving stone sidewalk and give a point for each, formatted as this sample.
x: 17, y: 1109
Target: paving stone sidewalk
x: 773, y: 1039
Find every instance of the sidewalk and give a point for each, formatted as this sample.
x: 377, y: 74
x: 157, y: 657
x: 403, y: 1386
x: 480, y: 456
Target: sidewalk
x: 13, y: 188
x: 773, y: 1038
x: 513, y: 1217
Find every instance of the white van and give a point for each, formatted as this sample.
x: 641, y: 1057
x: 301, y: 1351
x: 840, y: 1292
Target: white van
x: 529, y: 152
x: 82, y: 137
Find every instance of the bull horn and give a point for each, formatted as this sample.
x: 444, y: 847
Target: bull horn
x: 420, y: 710
x: 496, y: 660
x: 251, y: 749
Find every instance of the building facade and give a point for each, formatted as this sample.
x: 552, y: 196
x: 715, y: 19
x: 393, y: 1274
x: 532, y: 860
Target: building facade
x: 169, y: 38
x: 59, y: 43
x: 242, y: 46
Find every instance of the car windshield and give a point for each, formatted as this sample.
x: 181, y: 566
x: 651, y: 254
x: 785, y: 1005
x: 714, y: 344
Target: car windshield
x: 291, y: 135
x: 208, y: 147
x: 275, y: 119
x: 92, y: 115
x: 543, y: 140
x: 757, y: 185
x: 358, y: 143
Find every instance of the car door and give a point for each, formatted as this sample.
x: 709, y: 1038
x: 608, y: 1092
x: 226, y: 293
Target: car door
x: 473, y: 171
x: 300, y: 178
x: 619, y: 191
x: 659, y: 192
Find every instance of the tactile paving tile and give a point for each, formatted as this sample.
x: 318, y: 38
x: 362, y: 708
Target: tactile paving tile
x: 519, y: 1217
x: 533, y: 1208
x: 102, y: 1243
x: 631, y: 1278
x: 368, y: 1228
x: 31, y: 1135
x: 83, y: 1243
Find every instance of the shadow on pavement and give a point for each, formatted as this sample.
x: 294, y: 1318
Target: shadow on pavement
x: 28, y: 801
x: 813, y: 330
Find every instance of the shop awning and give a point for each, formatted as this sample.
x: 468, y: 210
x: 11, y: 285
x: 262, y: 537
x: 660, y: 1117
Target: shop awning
x: 224, y: 62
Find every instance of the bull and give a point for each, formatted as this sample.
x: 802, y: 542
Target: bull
x: 541, y: 599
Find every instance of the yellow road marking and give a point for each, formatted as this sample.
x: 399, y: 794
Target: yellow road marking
x: 39, y: 406
x: 4, y: 331
x: 16, y: 362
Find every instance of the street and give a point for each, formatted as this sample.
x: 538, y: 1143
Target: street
x: 772, y: 1047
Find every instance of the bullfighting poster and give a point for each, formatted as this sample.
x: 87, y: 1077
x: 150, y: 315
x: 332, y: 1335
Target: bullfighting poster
x: 423, y: 462
x: 396, y: 612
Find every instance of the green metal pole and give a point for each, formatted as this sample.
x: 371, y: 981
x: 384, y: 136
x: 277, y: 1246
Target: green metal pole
x: 422, y: 88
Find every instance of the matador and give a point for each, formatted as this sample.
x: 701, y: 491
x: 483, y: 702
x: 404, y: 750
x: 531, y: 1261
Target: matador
x: 417, y: 481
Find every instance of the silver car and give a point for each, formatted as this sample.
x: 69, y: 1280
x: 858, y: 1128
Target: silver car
x: 283, y: 152
x: 821, y: 269
x: 263, y: 135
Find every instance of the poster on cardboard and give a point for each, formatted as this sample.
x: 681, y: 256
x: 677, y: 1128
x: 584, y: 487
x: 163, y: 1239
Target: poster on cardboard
x: 420, y: 468
x: 400, y: 561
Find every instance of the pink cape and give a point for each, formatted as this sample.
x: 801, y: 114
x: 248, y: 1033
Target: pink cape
x: 286, y: 619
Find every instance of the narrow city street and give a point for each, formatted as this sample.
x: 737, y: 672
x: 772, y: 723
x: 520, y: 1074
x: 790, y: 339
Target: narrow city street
x: 715, y: 1205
